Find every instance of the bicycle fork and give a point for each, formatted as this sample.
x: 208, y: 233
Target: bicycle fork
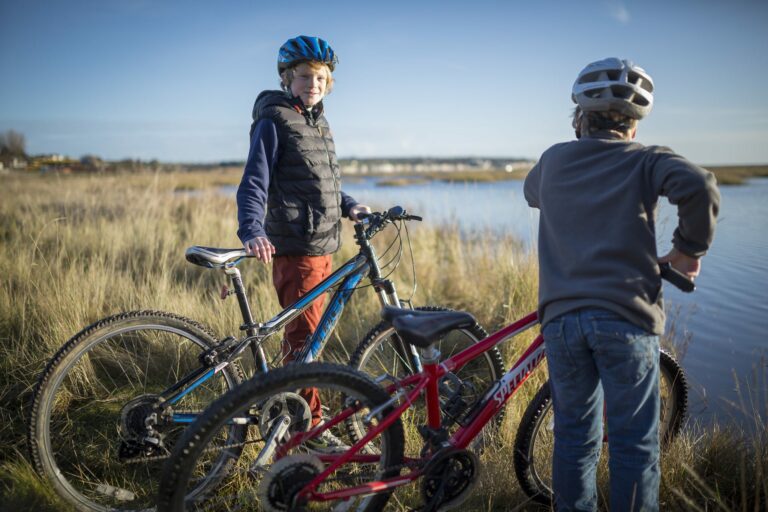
x: 385, y: 289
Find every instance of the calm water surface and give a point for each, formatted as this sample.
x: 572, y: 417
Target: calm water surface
x: 724, y: 322
x: 721, y: 327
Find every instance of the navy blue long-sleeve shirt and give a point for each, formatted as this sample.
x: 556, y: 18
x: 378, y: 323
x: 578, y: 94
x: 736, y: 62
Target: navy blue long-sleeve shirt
x: 254, y: 186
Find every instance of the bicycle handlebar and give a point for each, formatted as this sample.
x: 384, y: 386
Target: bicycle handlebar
x: 394, y: 213
x: 676, y: 277
x: 375, y: 221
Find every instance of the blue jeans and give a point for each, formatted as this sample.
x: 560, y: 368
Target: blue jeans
x: 596, y: 357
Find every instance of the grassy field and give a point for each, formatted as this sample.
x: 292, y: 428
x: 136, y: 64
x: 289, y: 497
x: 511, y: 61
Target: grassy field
x: 74, y: 249
x: 737, y: 174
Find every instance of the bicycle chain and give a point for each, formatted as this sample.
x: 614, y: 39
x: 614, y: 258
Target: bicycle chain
x: 207, y: 450
x: 399, y: 467
x: 154, y: 458
x: 413, y: 464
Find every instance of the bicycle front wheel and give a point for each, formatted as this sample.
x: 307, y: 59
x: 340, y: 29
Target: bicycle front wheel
x: 265, y: 479
x: 96, y: 431
x: 534, y: 444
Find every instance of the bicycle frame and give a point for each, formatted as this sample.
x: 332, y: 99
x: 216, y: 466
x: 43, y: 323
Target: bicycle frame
x: 427, y: 382
x: 349, y: 275
x: 346, y: 277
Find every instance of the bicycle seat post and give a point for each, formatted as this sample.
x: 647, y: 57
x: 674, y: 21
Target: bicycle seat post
x: 259, y: 357
x: 430, y: 355
x: 430, y: 358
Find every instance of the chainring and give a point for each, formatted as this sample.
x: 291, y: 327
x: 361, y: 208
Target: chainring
x: 282, y: 404
x: 449, y: 479
x: 285, y: 478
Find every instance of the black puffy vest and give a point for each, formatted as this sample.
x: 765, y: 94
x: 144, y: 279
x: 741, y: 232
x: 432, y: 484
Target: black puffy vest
x: 304, y: 200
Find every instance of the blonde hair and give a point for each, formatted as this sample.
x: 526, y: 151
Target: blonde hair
x: 287, y: 75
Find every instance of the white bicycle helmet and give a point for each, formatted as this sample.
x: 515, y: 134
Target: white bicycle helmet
x: 614, y: 84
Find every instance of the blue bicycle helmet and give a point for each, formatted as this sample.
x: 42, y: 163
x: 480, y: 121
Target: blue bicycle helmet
x: 305, y: 48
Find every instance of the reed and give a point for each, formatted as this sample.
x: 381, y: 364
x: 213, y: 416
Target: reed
x: 737, y: 174
x: 74, y: 249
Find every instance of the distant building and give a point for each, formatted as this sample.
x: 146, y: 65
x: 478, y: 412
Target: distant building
x: 53, y: 162
x: 430, y: 165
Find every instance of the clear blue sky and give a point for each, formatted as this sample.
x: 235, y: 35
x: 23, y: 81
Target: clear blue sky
x: 175, y: 80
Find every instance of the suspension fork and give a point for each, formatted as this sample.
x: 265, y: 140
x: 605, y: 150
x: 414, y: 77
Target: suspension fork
x: 259, y: 358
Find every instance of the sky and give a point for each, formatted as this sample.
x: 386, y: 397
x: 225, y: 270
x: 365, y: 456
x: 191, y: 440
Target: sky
x: 176, y: 80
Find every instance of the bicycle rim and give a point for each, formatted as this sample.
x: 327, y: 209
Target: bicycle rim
x: 88, y: 433
x: 269, y: 484
x: 379, y: 357
x: 535, y: 444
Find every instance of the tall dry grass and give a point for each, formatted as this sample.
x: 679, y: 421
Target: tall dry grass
x: 74, y: 249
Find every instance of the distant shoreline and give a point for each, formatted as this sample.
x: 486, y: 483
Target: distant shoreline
x: 725, y: 174
x: 200, y: 176
x: 737, y: 174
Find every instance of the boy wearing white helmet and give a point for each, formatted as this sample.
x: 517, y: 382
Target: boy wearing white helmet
x: 289, y: 202
x: 600, y: 299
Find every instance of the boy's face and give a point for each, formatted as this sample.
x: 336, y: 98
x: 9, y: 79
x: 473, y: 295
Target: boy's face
x: 309, y: 84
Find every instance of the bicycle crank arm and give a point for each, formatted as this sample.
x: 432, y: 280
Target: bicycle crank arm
x: 277, y: 433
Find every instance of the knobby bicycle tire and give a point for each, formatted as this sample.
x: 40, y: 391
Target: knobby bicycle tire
x: 88, y: 401
x: 534, y: 440
x: 376, y: 355
x: 249, y: 399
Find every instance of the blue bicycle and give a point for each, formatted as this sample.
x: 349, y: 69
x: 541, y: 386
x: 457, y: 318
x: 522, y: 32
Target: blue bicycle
x: 112, y: 401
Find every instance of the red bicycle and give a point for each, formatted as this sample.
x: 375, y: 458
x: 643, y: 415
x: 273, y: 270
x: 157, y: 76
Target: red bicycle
x: 380, y: 458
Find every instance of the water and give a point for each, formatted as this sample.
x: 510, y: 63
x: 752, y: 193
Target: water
x: 724, y: 322
x: 497, y: 206
x: 728, y: 313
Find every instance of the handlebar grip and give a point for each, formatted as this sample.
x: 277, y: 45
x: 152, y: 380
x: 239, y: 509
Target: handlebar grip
x: 676, y: 277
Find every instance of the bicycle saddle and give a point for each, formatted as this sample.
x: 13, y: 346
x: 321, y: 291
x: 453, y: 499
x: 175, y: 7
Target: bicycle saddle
x: 212, y: 257
x: 422, y: 328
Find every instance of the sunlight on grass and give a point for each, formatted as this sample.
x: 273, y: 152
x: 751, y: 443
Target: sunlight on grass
x: 74, y: 249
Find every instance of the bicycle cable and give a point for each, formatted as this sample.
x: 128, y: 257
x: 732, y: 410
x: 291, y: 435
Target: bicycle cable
x: 399, y: 255
x: 395, y: 260
x: 396, y: 239
x: 388, y: 263
x: 413, y: 264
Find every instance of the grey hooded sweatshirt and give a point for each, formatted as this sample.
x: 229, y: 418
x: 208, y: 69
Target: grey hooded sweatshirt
x: 598, y: 198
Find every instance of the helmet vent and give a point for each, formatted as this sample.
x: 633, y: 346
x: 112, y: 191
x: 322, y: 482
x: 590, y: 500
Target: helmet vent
x: 614, y: 85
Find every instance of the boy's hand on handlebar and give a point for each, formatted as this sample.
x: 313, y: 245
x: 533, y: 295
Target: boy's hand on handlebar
x: 358, y: 209
x: 260, y: 248
x: 683, y: 263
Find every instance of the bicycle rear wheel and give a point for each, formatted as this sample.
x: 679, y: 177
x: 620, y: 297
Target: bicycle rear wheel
x: 382, y: 354
x: 534, y: 444
x: 266, y: 483
x: 95, y: 431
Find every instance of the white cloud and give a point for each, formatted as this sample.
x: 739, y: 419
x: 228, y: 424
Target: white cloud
x: 618, y: 11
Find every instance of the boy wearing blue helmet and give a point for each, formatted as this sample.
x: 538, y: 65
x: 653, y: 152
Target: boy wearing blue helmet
x: 289, y: 201
x: 599, y: 286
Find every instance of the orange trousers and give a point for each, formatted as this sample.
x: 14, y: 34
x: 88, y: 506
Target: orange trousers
x: 293, y: 276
